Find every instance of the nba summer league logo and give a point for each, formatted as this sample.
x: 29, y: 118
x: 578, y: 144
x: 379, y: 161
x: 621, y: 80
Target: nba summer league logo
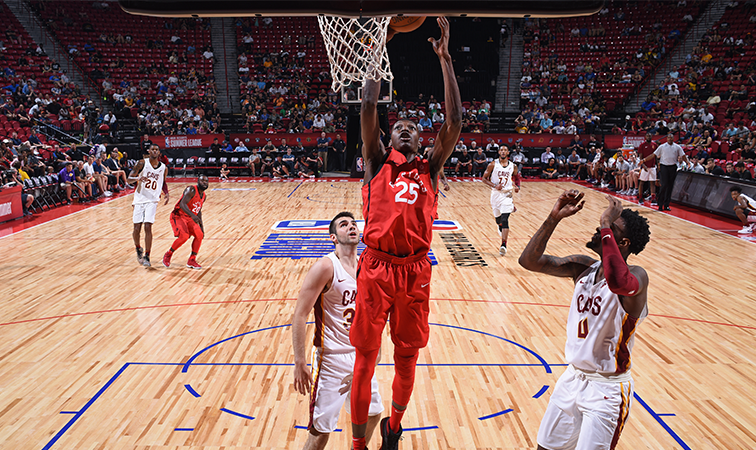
x: 298, y: 238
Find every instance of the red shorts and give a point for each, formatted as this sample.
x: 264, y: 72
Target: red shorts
x: 185, y: 225
x: 397, y: 289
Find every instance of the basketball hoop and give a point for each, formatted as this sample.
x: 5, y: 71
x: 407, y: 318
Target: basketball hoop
x: 356, y: 49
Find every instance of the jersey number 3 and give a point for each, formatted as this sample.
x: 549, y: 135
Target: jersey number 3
x: 406, y: 188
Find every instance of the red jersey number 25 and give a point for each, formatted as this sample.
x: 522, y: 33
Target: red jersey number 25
x: 407, y: 192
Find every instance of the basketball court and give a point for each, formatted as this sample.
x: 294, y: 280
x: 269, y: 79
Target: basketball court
x: 100, y: 352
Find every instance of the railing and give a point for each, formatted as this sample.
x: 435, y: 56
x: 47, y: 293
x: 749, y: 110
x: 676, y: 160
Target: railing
x: 52, y: 132
x: 58, y: 51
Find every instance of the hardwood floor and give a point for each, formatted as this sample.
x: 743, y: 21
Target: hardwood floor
x: 100, y: 353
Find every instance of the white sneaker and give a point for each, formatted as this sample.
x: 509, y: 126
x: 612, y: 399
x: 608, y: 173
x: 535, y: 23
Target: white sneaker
x: 503, y: 250
x: 107, y: 194
x: 746, y: 230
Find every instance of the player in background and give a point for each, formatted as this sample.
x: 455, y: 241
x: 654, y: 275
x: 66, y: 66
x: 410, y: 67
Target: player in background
x: 592, y: 399
x: 648, y: 170
x: 330, y: 289
x: 186, y: 221
x: 746, y: 206
x: 503, y: 177
x: 149, y: 176
x: 400, y: 195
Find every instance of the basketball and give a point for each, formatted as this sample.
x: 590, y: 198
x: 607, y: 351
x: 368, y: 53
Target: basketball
x: 405, y: 24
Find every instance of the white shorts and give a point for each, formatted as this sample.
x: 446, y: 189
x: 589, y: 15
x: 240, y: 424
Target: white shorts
x: 502, y: 202
x: 145, y: 212
x: 648, y: 174
x: 585, y: 413
x: 328, y: 369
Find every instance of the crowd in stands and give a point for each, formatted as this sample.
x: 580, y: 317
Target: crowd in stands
x: 157, y: 70
x: 709, y: 100
x: 577, y: 70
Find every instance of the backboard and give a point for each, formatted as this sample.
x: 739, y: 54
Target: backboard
x: 363, y: 8
x: 351, y: 93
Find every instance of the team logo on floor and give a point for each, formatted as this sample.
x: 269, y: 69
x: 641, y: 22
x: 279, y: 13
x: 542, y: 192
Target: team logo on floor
x: 463, y: 253
x: 322, y: 225
x: 304, y: 245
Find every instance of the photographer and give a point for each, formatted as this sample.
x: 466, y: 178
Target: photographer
x: 90, y: 115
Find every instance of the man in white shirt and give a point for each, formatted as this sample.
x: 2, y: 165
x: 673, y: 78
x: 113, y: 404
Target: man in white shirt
x: 546, y: 156
x: 668, y: 153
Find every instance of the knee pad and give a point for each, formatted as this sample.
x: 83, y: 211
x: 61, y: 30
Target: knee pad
x: 503, y: 221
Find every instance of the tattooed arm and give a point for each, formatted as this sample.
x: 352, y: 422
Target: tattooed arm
x: 533, y: 259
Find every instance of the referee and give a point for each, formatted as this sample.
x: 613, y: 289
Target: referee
x: 668, y: 154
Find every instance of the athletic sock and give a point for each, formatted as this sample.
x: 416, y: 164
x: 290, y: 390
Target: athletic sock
x: 358, y: 443
x: 395, y: 421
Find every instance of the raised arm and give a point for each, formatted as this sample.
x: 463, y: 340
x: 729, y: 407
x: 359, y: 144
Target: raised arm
x: 449, y: 132
x: 314, y: 284
x: 533, y: 257
x: 373, y: 150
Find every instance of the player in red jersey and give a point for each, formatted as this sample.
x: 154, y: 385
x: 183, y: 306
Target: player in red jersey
x: 394, y: 272
x: 186, y: 221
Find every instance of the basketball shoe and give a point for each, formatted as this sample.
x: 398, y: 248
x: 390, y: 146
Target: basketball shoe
x: 748, y: 229
x: 389, y: 438
x: 503, y: 250
x: 146, y: 261
x: 192, y: 264
x: 167, y: 259
x: 140, y: 254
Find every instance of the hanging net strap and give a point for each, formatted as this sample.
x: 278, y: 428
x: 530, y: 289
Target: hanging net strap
x: 356, y: 49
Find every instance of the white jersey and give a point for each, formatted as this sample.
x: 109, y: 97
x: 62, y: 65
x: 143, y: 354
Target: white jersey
x: 749, y: 201
x: 149, y: 191
x: 501, y: 200
x: 334, y: 310
x: 600, y: 334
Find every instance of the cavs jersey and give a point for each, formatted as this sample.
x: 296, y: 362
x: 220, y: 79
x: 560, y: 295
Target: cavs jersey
x: 600, y: 334
x: 749, y: 201
x: 334, y: 310
x: 148, y: 191
x: 501, y: 200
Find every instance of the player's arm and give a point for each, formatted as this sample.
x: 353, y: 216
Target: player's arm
x: 134, y: 175
x: 449, y: 133
x: 201, y: 222
x: 487, y: 175
x: 184, y: 204
x: 533, y: 257
x: 516, y: 178
x: 315, y: 282
x: 373, y: 150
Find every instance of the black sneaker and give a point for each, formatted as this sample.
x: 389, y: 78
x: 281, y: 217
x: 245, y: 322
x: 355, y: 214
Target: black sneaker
x: 390, y: 440
x: 140, y: 255
x: 146, y: 261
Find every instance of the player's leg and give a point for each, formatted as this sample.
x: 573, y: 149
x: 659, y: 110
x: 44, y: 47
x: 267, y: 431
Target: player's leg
x: 561, y: 423
x: 181, y: 232
x: 605, y: 408
x: 409, y: 332
x: 372, y: 305
x: 136, y: 235
x: 196, y: 243
x: 503, y: 222
x: 326, y: 396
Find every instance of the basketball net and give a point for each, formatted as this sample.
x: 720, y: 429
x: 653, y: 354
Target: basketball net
x: 356, y: 49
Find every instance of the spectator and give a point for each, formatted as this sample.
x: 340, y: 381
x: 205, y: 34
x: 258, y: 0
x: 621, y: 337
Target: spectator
x: 67, y: 179
x: 549, y: 171
x: 480, y: 162
x: 546, y: 156
x: 464, y: 163
x: 323, y: 144
x: 241, y: 147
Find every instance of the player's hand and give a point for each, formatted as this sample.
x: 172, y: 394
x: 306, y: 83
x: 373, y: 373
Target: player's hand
x: 167, y: 199
x: 498, y: 186
x: 302, y: 378
x: 517, y: 189
x: 441, y: 46
x: 446, y: 186
x: 612, y: 212
x: 569, y: 203
x: 346, y: 384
